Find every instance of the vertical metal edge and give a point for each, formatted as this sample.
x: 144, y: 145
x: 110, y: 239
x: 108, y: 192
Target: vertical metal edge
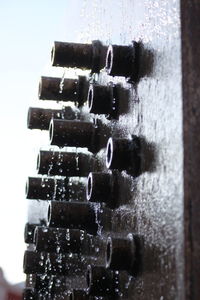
x: 190, y: 29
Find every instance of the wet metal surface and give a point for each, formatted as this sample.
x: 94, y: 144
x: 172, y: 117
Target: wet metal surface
x: 155, y: 210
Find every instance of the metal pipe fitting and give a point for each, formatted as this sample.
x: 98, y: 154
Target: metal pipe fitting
x: 64, y: 163
x: 40, y: 188
x: 30, y: 280
x: 70, y: 189
x: 77, y: 55
x: 64, y: 240
x: 64, y: 133
x: 37, y: 282
x: 65, y: 265
x: 73, y: 215
x: 42, y: 285
x: 29, y: 233
x: 121, y: 253
x: 123, y: 154
x: 103, y: 187
x: 29, y: 294
x: 48, y: 188
x: 34, y: 262
x: 101, y: 100
x: 53, y: 88
x: 53, y: 264
x: 59, y: 288
x: 101, y: 281
x: 50, y: 286
x: 123, y: 61
x: 61, y: 240
x: 39, y: 118
x: 73, y: 55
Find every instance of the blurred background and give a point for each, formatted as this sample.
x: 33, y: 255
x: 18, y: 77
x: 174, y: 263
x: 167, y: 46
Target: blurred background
x: 27, y: 32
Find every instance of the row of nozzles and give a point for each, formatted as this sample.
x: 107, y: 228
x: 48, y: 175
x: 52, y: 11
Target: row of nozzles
x: 118, y: 253
x: 121, y: 154
x: 98, y: 187
x: 101, y: 99
x: 77, y: 258
x: 74, y: 241
x: 87, y: 134
x: 117, y: 60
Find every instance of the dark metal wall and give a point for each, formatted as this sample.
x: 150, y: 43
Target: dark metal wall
x: 190, y: 12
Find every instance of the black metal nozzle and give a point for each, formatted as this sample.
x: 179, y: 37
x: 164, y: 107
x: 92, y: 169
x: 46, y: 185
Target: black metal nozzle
x: 39, y: 118
x: 29, y: 294
x: 124, y: 154
x: 53, y: 264
x: 101, y: 100
x: 34, y: 262
x: 37, y: 282
x: 62, y: 189
x: 40, y: 188
x: 65, y: 264
x: 53, y: 88
x: 73, y: 215
x: 64, y: 163
x: 29, y: 231
x: 121, y: 253
x: 103, y: 187
x: 64, y: 133
x: 123, y: 61
x: 59, y: 240
x: 77, y: 55
x: 73, y: 55
x: 70, y: 189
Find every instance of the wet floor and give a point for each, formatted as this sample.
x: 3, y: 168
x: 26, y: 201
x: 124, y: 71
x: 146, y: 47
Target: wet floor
x: 151, y: 205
